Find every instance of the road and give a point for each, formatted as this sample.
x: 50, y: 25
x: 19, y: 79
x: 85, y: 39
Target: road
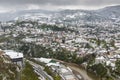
x: 40, y: 71
x: 77, y: 71
x: 77, y: 68
x: 82, y: 72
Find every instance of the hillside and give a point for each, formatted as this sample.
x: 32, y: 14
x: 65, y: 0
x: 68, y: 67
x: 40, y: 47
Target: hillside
x: 107, y: 14
x: 8, y: 71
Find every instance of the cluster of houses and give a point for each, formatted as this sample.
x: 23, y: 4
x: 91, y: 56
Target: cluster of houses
x: 108, y: 59
x: 71, y: 41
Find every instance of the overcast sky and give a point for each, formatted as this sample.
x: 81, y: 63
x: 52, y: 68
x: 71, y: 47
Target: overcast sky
x: 14, y: 5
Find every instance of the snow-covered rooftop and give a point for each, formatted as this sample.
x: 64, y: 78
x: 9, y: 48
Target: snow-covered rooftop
x: 63, y: 70
x: 110, y: 63
x: 53, y: 64
x: 70, y: 77
x: 44, y: 60
x: 100, y: 58
x: 13, y: 55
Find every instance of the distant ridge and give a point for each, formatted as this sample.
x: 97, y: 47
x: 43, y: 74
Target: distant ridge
x: 106, y: 13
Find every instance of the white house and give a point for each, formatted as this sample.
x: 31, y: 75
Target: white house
x: 16, y: 57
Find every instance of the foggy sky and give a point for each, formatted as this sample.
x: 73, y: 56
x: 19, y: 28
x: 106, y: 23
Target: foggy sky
x: 14, y: 5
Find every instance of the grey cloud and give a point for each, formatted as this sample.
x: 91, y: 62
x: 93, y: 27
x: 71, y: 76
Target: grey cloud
x: 19, y: 4
x: 40, y: 2
x: 60, y: 2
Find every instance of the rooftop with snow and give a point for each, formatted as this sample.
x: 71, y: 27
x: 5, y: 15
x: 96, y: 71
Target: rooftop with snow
x: 13, y: 54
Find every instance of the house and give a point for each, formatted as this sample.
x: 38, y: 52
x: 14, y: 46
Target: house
x: 100, y: 59
x: 16, y: 57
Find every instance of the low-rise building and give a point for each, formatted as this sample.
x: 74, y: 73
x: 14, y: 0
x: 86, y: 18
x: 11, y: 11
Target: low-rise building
x: 16, y: 57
